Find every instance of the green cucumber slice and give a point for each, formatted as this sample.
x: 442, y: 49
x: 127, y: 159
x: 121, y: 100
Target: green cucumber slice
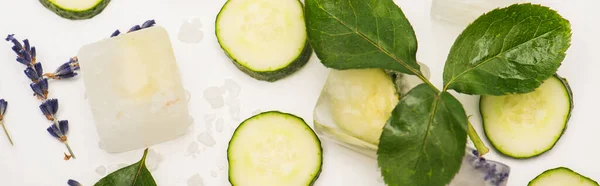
x: 527, y: 125
x: 274, y: 149
x: 561, y: 176
x: 265, y: 39
x: 76, y: 9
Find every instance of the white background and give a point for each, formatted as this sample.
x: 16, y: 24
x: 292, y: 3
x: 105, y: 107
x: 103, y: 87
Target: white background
x: 37, y: 158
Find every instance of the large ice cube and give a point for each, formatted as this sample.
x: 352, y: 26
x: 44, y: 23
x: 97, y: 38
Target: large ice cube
x: 134, y: 90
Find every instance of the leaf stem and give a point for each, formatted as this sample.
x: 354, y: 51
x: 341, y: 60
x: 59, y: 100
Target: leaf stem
x: 481, y: 148
x: 6, y: 132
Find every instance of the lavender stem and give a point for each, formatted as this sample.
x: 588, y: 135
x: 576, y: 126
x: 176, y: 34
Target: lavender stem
x: 6, y: 132
x: 70, y: 151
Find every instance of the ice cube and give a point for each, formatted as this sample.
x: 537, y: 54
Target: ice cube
x: 153, y: 160
x: 214, y: 97
x: 134, y: 90
x: 234, y: 109
x: 463, y: 12
x: 195, y: 180
x: 207, y: 139
x: 220, y: 124
x: 101, y: 170
x: 192, y: 148
x: 191, y: 32
x: 233, y: 88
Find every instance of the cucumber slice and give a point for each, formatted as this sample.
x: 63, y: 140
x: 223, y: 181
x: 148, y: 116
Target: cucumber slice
x: 265, y: 39
x: 527, y: 125
x: 274, y: 149
x: 76, y: 9
x: 562, y: 176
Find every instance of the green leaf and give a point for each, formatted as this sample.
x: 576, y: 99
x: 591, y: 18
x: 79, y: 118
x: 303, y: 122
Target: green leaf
x: 424, y: 141
x: 132, y: 175
x: 350, y: 34
x: 508, y: 50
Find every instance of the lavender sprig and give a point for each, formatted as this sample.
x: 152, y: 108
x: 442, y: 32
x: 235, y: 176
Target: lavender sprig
x: 3, y: 107
x: 26, y: 55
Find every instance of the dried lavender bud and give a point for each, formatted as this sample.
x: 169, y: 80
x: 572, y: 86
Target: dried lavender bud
x: 39, y: 69
x: 11, y: 38
x: 66, y: 70
x: 40, y: 88
x: 135, y: 28
x: 73, y: 183
x: 23, y: 61
x: 3, y: 106
x: 15, y: 49
x: 60, y: 131
x: 33, y: 54
x: 116, y: 33
x: 27, y: 47
x: 31, y: 74
x: 148, y: 24
x: 49, y: 108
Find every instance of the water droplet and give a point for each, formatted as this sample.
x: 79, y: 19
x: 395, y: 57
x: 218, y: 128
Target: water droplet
x: 221, y: 167
x: 153, y: 159
x: 191, y: 32
x: 192, y: 148
x: 195, y: 180
x: 207, y: 139
x: 234, y: 109
x: 213, y: 173
x: 233, y: 88
x: 101, y: 170
x: 214, y: 97
x: 256, y: 112
x: 220, y: 124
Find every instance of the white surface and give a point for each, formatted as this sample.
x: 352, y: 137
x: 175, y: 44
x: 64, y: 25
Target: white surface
x: 37, y: 158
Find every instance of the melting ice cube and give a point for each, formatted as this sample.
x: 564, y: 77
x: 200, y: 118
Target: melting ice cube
x: 134, y: 90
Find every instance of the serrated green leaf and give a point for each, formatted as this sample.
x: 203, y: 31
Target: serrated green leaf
x: 424, y: 141
x: 350, y: 34
x: 508, y: 50
x: 132, y: 175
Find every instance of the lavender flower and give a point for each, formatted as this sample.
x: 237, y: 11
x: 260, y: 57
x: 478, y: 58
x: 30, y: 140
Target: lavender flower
x: 49, y: 108
x: 66, y: 70
x: 60, y: 131
x: 116, y: 33
x: 73, y: 183
x: 3, y: 106
x: 26, y: 55
x: 146, y: 24
x: 40, y: 89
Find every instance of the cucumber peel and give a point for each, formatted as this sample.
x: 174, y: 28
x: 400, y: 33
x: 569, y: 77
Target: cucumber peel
x: 76, y: 9
x: 272, y: 149
x: 527, y: 125
x: 265, y: 39
x: 562, y: 176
